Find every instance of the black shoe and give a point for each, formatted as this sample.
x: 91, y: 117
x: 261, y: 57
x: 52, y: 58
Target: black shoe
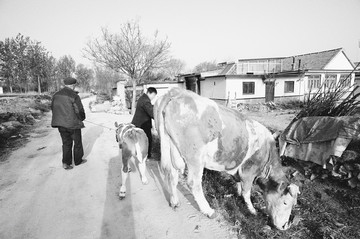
x: 82, y: 162
x: 67, y: 167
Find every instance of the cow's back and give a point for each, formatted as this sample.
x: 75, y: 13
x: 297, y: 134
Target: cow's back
x: 196, y: 123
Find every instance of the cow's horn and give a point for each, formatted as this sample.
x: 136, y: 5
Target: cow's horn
x: 293, y: 190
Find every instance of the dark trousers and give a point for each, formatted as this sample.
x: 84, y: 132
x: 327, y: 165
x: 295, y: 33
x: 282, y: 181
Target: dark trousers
x: 70, y: 136
x: 147, y: 129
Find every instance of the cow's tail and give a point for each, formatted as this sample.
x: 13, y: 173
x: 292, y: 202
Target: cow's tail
x: 170, y: 157
x: 138, y: 152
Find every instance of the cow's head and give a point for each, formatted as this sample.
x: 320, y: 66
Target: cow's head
x: 120, y: 128
x: 279, y: 203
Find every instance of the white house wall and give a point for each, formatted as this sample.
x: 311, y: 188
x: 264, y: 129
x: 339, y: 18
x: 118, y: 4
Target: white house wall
x: 306, y: 81
x: 235, y: 86
x: 163, y: 88
x: 214, y: 88
x: 314, y: 91
x: 280, y: 87
x: 339, y: 62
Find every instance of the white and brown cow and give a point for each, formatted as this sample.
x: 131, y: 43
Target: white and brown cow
x: 133, y: 142
x: 196, y: 131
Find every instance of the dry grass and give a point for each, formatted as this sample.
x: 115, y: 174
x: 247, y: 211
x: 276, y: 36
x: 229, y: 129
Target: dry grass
x: 337, y: 100
x: 327, y: 208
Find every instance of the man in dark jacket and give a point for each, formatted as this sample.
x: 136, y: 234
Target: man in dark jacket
x: 67, y: 115
x: 144, y: 113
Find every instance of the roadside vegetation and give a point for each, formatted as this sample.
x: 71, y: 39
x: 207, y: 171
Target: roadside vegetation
x: 327, y: 207
x: 17, y: 116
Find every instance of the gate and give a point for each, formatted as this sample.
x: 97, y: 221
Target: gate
x: 269, y: 91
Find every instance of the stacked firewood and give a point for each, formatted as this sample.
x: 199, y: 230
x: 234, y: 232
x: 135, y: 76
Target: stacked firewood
x: 331, y: 102
x: 345, y: 168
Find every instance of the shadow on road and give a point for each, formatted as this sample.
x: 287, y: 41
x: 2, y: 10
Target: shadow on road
x: 156, y: 173
x: 118, y: 219
x: 89, y: 138
x: 153, y: 168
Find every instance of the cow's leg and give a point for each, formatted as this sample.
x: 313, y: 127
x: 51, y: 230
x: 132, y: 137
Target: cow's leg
x: 126, y: 155
x: 245, y: 188
x: 239, y: 188
x: 142, y: 165
x: 124, y: 176
x: 142, y: 169
x: 173, y: 179
x: 194, y: 181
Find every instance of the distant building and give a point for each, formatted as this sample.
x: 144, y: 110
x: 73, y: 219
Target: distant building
x: 274, y: 79
x: 161, y: 86
x: 119, y: 90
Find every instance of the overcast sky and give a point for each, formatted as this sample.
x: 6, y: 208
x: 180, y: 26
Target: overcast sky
x: 198, y: 30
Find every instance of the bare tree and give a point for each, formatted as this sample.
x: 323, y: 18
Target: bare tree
x: 128, y: 52
x: 84, y: 75
x: 205, y: 66
x: 105, y: 79
x: 174, y: 67
x: 65, y: 68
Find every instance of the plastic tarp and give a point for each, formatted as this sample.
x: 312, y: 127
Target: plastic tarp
x: 315, y: 139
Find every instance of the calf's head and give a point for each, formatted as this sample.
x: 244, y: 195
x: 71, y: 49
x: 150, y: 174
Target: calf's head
x: 119, y: 131
x: 279, y: 203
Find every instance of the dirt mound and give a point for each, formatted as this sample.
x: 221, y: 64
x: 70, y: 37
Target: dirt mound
x: 16, y: 113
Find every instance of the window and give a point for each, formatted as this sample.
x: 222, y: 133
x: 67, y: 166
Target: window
x: 330, y: 81
x: 248, y: 88
x: 314, y: 82
x: 289, y: 87
x: 259, y: 66
x: 345, y: 79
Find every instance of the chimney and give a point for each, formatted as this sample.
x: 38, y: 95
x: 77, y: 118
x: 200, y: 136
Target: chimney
x: 293, y: 63
x: 299, y: 64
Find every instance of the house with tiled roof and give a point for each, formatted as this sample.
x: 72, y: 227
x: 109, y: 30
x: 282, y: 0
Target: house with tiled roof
x: 277, y: 78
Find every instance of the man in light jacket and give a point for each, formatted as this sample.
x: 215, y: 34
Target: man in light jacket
x: 68, y: 115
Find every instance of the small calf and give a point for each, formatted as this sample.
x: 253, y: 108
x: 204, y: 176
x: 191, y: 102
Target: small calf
x: 133, y: 142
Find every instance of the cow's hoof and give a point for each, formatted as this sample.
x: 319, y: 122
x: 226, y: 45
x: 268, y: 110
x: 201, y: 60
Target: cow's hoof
x: 145, y: 182
x: 121, y: 196
x: 253, y: 211
x: 174, y: 205
x: 213, y: 215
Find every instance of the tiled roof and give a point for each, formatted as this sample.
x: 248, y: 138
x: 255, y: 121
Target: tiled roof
x: 224, y: 69
x: 357, y: 65
x: 311, y: 61
x: 227, y: 69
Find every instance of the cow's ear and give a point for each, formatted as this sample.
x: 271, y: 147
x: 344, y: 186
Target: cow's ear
x: 281, y: 187
x: 262, y: 182
x: 116, y: 124
x: 293, y: 190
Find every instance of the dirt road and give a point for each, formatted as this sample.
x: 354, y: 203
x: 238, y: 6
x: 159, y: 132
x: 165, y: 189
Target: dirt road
x: 39, y: 199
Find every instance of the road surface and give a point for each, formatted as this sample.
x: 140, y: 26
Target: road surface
x: 39, y: 199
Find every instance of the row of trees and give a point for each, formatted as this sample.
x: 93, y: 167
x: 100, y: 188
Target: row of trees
x: 26, y: 65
